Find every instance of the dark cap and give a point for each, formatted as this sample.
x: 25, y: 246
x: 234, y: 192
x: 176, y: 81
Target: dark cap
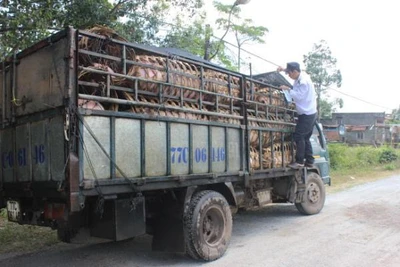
x: 291, y: 66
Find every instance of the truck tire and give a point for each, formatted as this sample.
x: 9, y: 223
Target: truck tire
x: 207, y: 226
x: 314, y: 195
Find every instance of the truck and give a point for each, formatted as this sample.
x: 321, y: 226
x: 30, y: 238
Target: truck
x: 109, y: 139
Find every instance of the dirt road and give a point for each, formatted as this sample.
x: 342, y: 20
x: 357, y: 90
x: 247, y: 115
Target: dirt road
x: 357, y: 227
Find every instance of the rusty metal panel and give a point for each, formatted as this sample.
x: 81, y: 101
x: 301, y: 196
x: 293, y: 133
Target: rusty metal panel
x: 218, y: 149
x: 39, y: 151
x: 96, y: 163
x: 23, y: 164
x: 200, y: 149
x: 56, y: 147
x: 179, y: 148
x: 233, y: 152
x: 40, y: 79
x: 7, y: 155
x: 127, y: 147
x: 155, y: 148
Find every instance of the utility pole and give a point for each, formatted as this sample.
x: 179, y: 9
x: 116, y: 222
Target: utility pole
x: 207, y: 42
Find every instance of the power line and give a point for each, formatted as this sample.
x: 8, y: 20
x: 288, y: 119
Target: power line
x: 359, y: 99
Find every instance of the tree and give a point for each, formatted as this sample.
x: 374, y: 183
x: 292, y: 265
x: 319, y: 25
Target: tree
x: 321, y: 66
x: 190, y: 38
x: 395, y: 116
x: 243, y: 30
x: 24, y: 22
x: 327, y: 107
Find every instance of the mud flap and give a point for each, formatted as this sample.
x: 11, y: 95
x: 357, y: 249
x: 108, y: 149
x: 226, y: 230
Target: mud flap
x: 168, y: 235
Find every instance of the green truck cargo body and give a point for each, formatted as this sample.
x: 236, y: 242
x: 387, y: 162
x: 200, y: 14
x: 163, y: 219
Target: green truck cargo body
x: 118, y: 139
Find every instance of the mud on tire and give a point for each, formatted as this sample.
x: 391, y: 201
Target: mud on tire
x: 207, y: 226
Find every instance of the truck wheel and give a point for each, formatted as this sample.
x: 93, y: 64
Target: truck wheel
x: 314, y: 195
x: 207, y: 226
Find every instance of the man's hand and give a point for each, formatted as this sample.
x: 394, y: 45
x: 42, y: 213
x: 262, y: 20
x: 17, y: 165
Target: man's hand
x: 284, y: 87
x: 279, y: 69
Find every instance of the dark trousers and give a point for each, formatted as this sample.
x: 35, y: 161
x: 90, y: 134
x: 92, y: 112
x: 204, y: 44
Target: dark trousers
x: 302, y: 134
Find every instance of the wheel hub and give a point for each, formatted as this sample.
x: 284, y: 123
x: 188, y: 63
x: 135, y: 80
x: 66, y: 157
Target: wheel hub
x: 213, y: 225
x: 313, y: 193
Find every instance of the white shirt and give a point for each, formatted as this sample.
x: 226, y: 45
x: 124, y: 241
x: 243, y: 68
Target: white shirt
x: 303, y: 94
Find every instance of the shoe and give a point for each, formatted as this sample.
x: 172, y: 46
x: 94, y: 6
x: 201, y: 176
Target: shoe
x: 310, y: 165
x: 295, y: 165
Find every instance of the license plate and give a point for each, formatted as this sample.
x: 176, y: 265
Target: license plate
x: 13, y: 211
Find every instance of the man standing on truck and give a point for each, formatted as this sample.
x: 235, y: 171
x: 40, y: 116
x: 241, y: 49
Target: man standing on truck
x: 304, y: 96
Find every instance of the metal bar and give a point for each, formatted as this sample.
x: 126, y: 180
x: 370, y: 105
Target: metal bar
x: 168, y: 71
x: 226, y: 149
x: 95, y: 54
x: 154, y: 81
x: 13, y: 86
x: 158, y: 52
x: 246, y: 125
x: 108, y: 86
x: 124, y: 59
x: 160, y: 93
x: 165, y: 182
x: 271, y: 121
x: 190, y: 148
x: 168, y: 132
x: 260, y: 147
x: 242, y: 146
x: 4, y: 84
x: 112, y: 148
x: 129, y: 102
x: 143, y: 147
x: 136, y: 90
x: 283, y: 149
x: 271, y: 144
x: 210, y: 152
x: 201, y: 87
x: 80, y: 150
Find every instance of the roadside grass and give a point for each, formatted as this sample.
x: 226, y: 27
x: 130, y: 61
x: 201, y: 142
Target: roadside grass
x: 344, y: 179
x: 15, y: 238
x: 355, y: 165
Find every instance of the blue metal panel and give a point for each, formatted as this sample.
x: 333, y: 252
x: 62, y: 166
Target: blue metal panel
x: 7, y: 156
x: 23, y: 150
x: 39, y: 151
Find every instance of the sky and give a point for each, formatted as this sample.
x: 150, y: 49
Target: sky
x: 362, y: 36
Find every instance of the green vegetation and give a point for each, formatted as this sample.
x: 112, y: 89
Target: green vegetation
x: 344, y: 157
x: 15, y: 238
x: 22, y: 23
x: 321, y: 65
x: 356, y: 165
